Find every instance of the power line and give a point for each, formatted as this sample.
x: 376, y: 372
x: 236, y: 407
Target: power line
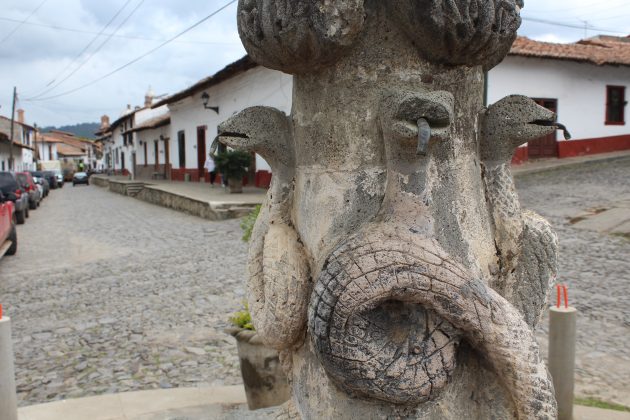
x: 570, y: 25
x: 89, y: 44
x: 10, y: 34
x: 138, y: 38
x: 135, y: 60
x: 93, y: 52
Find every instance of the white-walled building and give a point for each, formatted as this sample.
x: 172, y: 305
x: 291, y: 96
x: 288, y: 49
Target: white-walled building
x: 152, y: 150
x: 585, y: 83
x: 193, y: 125
x: 119, y: 139
x: 69, y: 149
x: 47, y: 148
x: 22, y: 149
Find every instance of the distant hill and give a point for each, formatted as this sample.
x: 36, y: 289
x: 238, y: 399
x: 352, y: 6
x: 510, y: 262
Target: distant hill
x: 82, y: 130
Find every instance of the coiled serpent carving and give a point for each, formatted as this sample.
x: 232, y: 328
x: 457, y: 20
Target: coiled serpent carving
x: 389, y: 305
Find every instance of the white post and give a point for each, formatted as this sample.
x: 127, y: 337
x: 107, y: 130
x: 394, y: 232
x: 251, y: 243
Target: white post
x: 8, y: 398
x: 562, y: 330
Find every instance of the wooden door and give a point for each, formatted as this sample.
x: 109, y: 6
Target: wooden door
x: 167, y: 158
x: 547, y: 146
x: 201, y: 152
x: 156, y: 150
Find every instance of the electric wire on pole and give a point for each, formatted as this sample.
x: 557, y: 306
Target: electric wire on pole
x: 140, y: 57
x: 12, y: 124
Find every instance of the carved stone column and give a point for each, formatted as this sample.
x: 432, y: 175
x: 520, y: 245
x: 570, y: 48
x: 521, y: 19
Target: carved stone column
x: 392, y: 265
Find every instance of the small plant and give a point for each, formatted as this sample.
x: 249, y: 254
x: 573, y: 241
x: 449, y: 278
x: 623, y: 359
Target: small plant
x: 233, y: 163
x: 243, y: 319
x: 248, y: 222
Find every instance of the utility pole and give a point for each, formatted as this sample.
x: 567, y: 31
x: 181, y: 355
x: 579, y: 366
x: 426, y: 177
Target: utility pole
x: 11, y: 135
x: 36, y: 155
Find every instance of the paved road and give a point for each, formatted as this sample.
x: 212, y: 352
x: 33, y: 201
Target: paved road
x: 595, y: 266
x: 146, y: 305
x: 111, y: 294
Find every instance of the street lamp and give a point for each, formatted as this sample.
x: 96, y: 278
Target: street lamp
x: 205, y: 98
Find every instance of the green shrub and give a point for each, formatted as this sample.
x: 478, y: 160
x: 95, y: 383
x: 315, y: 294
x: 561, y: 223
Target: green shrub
x: 248, y: 222
x: 233, y: 163
x: 243, y: 319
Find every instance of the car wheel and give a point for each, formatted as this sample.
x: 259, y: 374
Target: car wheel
x: 13, y: 238
x: 20, y: 217
x: 32, y: 205
x: 26, y: 212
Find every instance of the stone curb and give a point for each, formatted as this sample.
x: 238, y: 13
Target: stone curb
x: 203, y: 401
x: 567, y: 163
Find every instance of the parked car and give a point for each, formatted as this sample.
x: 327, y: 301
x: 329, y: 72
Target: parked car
x: 51, y: 178
x: 45, y: 181
x: 25, y: 180
x: 11, y: 189
x: 8, y: 232
x: 60, y: 179
x: 42, y: 182
x: 80, y: 178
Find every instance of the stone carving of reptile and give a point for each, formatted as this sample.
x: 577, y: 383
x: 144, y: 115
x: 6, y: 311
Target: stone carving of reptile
x: 392, y: 189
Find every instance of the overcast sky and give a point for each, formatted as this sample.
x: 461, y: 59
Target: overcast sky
x: 37, y: 55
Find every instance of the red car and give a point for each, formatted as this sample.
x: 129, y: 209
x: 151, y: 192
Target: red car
x: 8, y: 232
x: 28, y: 184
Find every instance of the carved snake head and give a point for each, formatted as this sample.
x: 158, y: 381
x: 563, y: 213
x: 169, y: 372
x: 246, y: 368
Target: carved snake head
x: 260, y: 129
x: 413, y: 119
x: 512, y: 121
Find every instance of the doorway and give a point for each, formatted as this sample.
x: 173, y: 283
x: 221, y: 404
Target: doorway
x: 201, y: 152
x: 547, y: 146
x: 156, y: 152
x: 167, y: 159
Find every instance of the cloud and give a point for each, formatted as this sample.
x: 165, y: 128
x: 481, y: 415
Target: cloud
x: 36, y: 55
x: 551, y: 38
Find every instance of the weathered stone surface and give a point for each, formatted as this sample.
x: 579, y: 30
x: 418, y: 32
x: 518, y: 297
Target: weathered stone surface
x: 398, y: 200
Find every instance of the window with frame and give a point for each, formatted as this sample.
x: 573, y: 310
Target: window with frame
x: 615, y: 105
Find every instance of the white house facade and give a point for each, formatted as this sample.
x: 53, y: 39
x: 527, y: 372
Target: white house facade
x: 119, y: 140
x: 585, y: 83
x: 193, y: 125
x: 22, y: 148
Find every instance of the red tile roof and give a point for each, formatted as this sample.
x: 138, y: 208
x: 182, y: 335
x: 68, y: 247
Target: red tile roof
x: 67, y: 150
x: 599, y: 50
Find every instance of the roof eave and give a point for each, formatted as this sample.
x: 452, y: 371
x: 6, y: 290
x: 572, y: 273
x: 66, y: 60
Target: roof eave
x: 239, y: 66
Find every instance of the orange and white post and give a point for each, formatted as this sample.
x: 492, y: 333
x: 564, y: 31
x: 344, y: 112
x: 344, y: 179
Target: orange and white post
x: 562, y: 330
x: 8, y: 398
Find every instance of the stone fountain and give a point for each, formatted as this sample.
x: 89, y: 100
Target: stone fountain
x: 392, y: 265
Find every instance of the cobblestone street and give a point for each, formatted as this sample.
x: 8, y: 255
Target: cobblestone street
x: 595, y: 266
x: 111, y: 294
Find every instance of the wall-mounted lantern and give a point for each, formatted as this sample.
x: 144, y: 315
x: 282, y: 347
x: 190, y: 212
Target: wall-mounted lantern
x: 205, y: 98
